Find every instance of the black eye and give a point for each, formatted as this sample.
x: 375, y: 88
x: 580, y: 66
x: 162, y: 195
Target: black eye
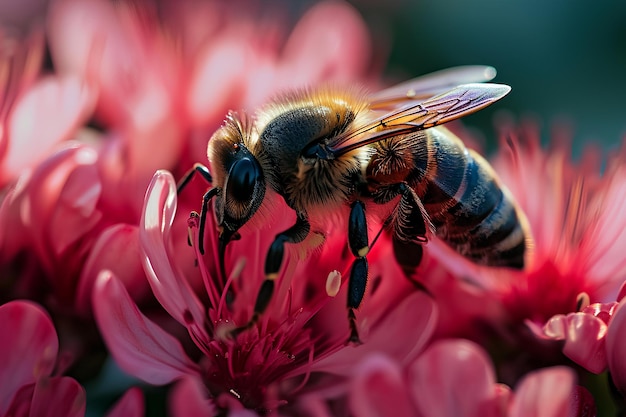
x: 242, y: 178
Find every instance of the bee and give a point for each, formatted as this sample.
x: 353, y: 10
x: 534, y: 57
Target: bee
x: 324, y: 149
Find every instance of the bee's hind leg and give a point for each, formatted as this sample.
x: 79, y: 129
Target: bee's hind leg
x: 359, y: 246
x: 410, y: 224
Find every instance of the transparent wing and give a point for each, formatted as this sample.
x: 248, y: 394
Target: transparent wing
x: 453, y: 104
x: 428, y: 85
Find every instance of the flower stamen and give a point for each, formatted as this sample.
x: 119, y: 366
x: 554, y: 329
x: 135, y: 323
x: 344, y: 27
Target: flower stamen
x: 235, y: 393
x: 307, y: 374
x: 582, y: 301
x: 235, y: 274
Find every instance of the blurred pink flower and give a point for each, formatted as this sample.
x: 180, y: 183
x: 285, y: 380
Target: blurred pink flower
x: 29, y: 362
x: 594, y: 338
x: 172, y: 70
x: 22, y: 15
x: 455, y: 377
x: 583, y: 334
x: 57, y: 233
x: 579, y: 234
x: 34, y: 113
x: 29, y: 353
x: 563, y: 303
x: 577, y: 222
x: 299, y: 336
x: 616, y: 346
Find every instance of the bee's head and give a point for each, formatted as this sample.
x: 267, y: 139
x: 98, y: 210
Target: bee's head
x: 238, y: 175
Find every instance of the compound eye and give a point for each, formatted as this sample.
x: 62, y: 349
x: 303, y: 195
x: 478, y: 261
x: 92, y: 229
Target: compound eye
x: 242, y: 179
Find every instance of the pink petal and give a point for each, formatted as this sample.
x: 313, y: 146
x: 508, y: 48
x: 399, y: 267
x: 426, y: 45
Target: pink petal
x: 583, y: 403
x: 502, y: 399
x: 116, y: 249
x: 59, y: 396
x: 120, y: 49
x: 379, y: 389
x: 454, y: 378
x: 138, y: 345
x: 544, y: 393
x: 622, y: 292
x: 76, y: 211
x: 217, y: 77
x: 130, y: 405
x: 139, y: 142
x: 12, y: 236
x: 23, y: 13
x: 421, y: 310
x: 603, y: 311
x: 242, y: 412
x: 54, y: 206
x: 48, y: 113
x: 189, y: 398
x: 167, y: 282
x: 72, y: 53
x: 329, y: 42
x: 616, y: 346
x: 88, y: 38
x: 29, y: 349
x: 607, y: 238
x: 584, y: 336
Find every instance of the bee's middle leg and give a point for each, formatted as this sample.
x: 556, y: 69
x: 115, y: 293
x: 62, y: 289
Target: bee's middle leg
x: 295, y: 234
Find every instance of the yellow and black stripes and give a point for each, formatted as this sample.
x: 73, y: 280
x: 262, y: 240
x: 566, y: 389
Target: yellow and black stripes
x: 461, y: 196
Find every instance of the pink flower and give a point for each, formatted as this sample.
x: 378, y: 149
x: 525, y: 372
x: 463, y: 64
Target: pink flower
x: 616, y: 346
x: 56, y: 222
x: 564, y: 301
x: 299, y: 335
x: 583, y: 334
x: 29, y: 359
x: 35, y: 113
x: 593, y: 338
x: 456, y: 378
x: 171, y: 71
x: 577, y: 223
x: 579, y: 234
x: 29, y: 354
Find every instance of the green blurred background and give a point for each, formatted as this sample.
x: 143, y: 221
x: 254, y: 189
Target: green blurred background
x: 565, y: 59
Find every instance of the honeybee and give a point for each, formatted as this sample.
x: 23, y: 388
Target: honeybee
x: 325, y: 148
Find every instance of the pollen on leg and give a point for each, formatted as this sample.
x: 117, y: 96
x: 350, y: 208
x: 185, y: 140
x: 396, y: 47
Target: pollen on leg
x: 192, y: 223
x: 193, y: 220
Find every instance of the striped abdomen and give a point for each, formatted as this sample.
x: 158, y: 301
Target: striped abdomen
x: 470, y: 210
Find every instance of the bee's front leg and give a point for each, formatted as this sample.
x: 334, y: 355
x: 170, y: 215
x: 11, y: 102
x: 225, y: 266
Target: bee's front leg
x: 359, y: 246
x: 295, y: 234
x: 196, y: 169
x: 204, y: 173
